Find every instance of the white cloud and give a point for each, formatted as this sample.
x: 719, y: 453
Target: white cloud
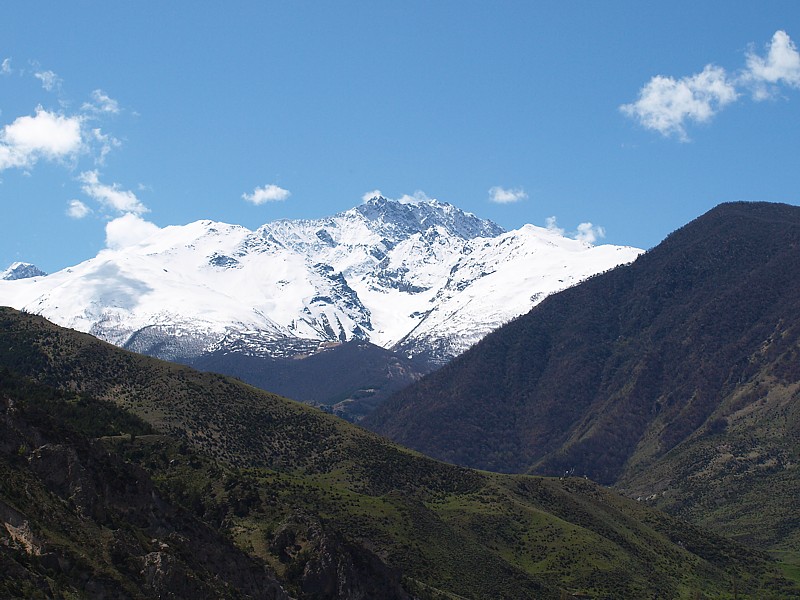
x: 50, y: 81
x: 415, y: 198
x: 44, y: 135
x: 5, y: 67
x: 111, y: 196
x: 781, y: 65
x: 665, y: 104
x: 268, y: 193
x: 586, y: 232
x: 370, y: 195
x: 107, y: 143
x: 127, y: 230
x: 77, y: 209
x: 553, y: 226
x: 589, y: 233
x: 101, y: 103
x: 500, y: 195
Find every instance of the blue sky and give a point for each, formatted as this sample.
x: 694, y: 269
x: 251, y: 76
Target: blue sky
x: 117, y: 117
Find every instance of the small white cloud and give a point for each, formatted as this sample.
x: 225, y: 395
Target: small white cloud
x: 370, y: 195
x: 781, y: 65
x: 268, y: 193
x: 128, y: 230
x: 500, y: 195
x: 665, y: 104
x: 50, y: 81
x: 77, y: 209
x: 107, y: 143
x: 553, y: 226
x: 589, y: 233
x: 415, y: 198
x: 44, y: 135
x: 101, y: 103
x: 5, y: 67
x: 111, y: 196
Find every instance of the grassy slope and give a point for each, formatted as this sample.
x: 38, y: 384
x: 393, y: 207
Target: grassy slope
x: 78, y: 522
x: 740, y: 477
x: 246, y: 461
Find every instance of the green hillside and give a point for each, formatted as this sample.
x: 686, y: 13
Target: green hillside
x: 331, y: 509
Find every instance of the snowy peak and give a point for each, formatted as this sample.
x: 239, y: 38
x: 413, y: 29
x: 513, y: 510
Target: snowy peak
x: 426, y: 278
x: 21, y: 270
x: 406, y: 218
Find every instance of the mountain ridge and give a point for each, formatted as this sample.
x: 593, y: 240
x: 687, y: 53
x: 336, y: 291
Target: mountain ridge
x: 414, y: 278
x: 21, y: 270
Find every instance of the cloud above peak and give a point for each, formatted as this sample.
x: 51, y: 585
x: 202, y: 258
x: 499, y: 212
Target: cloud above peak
x: 586, y: 232
x: 128, y: 230
x: 666, y: 104
x: 268, y: 193
x: 415, y: 198
x: 589, y: 233
x: 500, y: 195
x: 110, y: 196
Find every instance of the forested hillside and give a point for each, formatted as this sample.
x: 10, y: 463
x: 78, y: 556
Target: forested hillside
x: 675, y: 378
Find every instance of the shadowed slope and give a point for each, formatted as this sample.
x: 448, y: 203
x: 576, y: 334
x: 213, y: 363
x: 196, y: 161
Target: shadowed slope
x: 696, y: 343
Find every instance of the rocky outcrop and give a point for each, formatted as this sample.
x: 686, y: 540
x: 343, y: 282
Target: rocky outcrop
x: 77, y: 521
x: 324, y: 566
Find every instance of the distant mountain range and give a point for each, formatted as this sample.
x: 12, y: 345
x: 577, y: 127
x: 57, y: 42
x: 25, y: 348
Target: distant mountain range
x: 424, y: 279
x: 21, y: 270
x: 675, y: 378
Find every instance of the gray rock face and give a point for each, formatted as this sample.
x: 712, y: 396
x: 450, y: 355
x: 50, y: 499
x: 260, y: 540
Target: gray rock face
x: 326, y: 567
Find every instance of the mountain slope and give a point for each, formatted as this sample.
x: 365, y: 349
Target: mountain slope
x: 348, y: 379
x: 298, y: 489
x: 20, y: 270
x: 675, y: 376
x: 79, y: 522
x: 426, y: 278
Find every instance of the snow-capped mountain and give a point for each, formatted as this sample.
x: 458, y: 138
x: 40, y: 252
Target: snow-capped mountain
x: 21, y: 270
x: 425, y: 278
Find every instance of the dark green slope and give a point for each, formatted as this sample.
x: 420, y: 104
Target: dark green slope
x: 688, y: 357
x: 335, y: 511
x: 349, y: 380
x: 77, y: 522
